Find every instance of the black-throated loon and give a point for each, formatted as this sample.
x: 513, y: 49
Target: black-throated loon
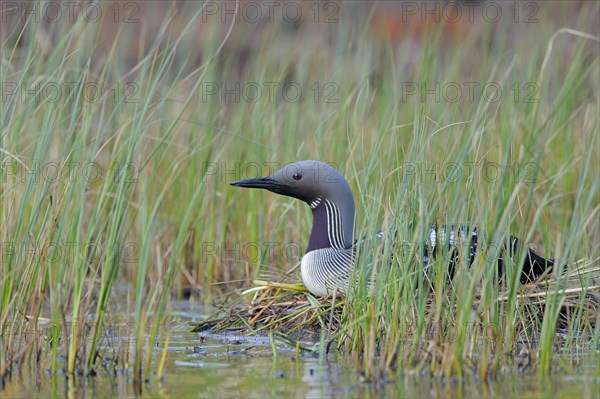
x: 330, y: 257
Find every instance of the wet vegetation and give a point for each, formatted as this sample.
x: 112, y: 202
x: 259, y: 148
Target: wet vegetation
x: 119, y: 140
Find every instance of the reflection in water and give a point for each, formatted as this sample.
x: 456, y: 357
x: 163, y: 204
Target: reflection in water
x: 330, y: 379
x: 322, y: 378
x: 248, y: 370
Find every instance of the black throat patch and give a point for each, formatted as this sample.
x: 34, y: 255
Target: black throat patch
x: 318, y: 235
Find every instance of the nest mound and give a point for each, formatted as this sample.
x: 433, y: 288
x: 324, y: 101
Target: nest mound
x: 276, y: 307
x: 294, y: 315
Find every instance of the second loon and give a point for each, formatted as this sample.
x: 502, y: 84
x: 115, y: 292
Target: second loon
x: 330, y: 257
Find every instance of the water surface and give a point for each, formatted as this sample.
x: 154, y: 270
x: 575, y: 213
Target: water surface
x: 201, y: 365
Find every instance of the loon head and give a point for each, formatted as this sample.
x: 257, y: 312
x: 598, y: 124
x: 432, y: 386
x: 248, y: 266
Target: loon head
x: 327, y: 193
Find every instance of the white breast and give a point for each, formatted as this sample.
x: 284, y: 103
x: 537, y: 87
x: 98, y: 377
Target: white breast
x: 310, y: 275
x: 326, y: 269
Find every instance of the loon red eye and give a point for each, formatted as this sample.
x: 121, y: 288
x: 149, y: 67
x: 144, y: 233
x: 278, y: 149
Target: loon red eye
x: 297, y: 176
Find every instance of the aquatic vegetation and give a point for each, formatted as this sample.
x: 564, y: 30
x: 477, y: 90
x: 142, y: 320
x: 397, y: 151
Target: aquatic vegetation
x: 119, y: 142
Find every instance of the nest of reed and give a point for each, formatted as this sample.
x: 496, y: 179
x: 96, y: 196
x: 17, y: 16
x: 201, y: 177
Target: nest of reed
x: 295, y: 316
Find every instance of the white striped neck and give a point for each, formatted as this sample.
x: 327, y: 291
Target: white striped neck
x: 331, y: 225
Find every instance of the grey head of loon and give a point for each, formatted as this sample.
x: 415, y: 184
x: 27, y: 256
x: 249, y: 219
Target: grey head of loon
x: 327, y: 193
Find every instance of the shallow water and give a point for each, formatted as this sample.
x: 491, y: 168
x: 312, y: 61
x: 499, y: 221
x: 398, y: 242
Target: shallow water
x: 232, y: 365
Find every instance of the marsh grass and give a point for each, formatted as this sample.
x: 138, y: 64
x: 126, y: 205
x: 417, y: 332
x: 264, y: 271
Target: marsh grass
x: 166, y: 151
x: 423, y: 343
